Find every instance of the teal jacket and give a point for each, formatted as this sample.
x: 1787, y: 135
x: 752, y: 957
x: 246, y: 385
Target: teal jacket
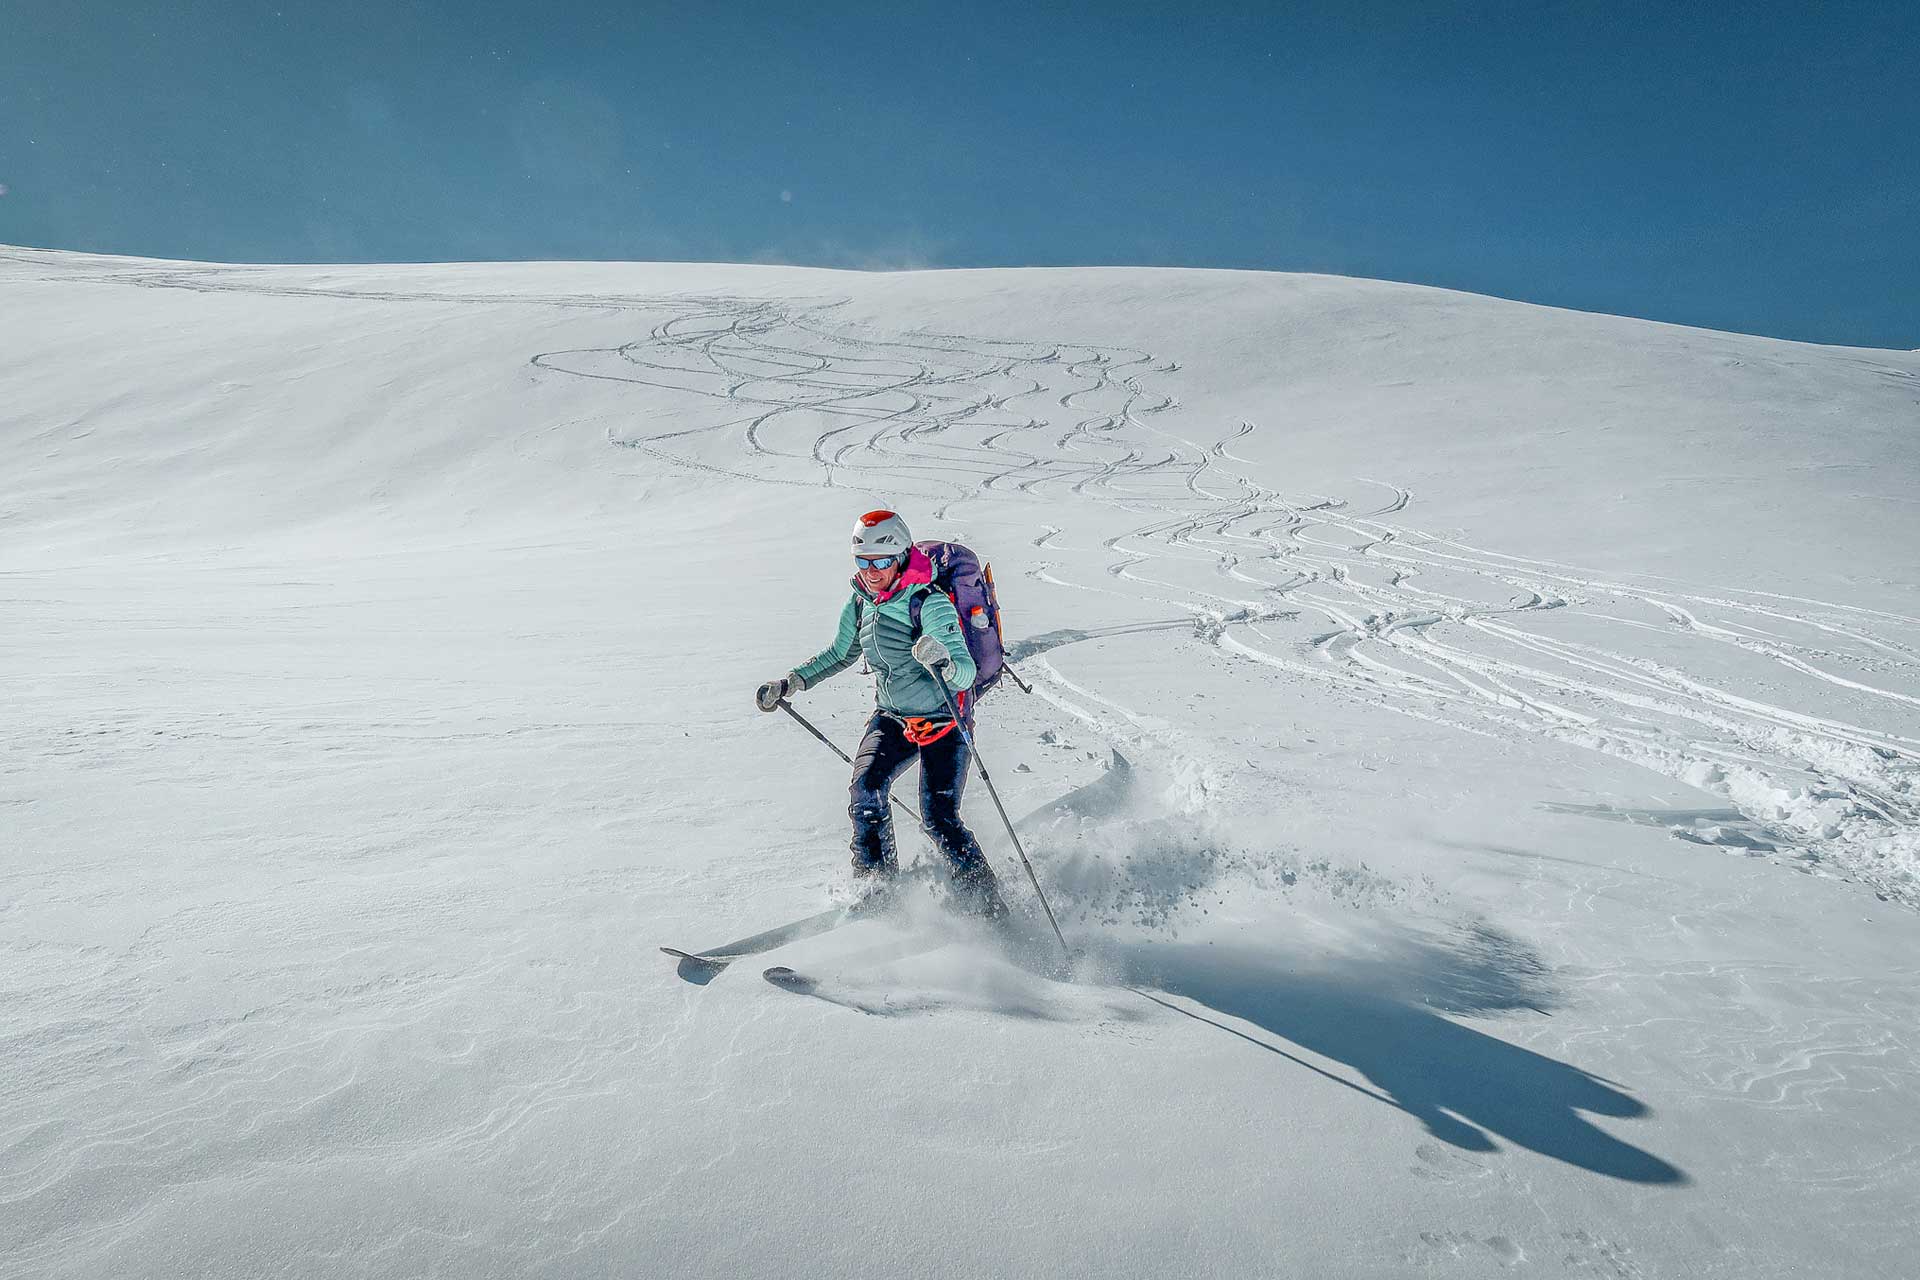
x: 882, y: 633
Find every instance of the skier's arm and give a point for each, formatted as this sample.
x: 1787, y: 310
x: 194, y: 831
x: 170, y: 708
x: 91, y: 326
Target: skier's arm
x: 839, y: 655
x: 939, y: 619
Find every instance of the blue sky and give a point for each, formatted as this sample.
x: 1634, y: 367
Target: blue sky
x: 1747, y: 167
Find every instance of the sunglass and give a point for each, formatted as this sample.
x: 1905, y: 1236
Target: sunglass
x: 876, y: 562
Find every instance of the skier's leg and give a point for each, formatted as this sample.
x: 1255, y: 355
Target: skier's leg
x: 943, y: 780
x: 883, y: 753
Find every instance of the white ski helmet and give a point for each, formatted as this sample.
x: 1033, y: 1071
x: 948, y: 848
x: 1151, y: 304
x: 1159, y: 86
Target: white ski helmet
x: 881, y: 533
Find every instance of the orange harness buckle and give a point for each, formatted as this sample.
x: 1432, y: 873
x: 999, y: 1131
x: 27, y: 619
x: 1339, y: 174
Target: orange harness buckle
x: 922, y: 732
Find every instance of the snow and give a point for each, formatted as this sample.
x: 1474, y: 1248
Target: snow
x: 1473, y: 746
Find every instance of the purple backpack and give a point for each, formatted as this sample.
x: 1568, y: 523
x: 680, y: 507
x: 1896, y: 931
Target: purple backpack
x: 958, y: 573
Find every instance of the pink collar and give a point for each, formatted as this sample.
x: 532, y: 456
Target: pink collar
x: 919, y: 569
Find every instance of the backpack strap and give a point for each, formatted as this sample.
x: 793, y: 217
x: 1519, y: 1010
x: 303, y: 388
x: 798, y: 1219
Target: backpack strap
x: 937, y: 557
x: 914, y: 602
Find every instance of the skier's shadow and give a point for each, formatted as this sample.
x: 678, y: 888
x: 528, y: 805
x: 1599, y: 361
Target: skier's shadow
x: 1380, y: 1012
x: 1460, y: 1083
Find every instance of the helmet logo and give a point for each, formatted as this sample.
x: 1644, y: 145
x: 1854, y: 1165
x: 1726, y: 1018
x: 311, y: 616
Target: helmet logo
x: 873, y: 518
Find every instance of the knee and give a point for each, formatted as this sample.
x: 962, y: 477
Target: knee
x: 866, y: 802
x: 943, y: 819
x: 940, y: 806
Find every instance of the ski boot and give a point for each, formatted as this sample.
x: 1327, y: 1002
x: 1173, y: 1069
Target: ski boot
x: 976, y: 892
x: 870, y: 889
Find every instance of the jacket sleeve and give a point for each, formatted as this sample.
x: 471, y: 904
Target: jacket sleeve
x: 939, y: 619
x: 839, y: 655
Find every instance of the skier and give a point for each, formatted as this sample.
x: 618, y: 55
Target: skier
x: 910, y: 716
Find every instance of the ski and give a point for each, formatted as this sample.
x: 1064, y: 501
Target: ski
x: 1012, y: 936
x: 802, y: 982
x: 791, y: 979
x: 702, y: 967
x: 830, y: 992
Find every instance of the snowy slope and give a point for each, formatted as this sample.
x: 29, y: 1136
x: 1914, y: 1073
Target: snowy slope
x: 1474, y: 746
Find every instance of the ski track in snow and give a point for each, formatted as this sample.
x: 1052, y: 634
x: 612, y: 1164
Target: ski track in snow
x: 1816, y: 751
x: 1426, y: 624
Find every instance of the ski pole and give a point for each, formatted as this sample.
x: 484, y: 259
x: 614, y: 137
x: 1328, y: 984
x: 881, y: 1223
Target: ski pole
x: 808, y: 726
x: 1024, y: 686
x: 966, y: 736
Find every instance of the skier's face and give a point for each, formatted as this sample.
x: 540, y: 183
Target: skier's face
x: 877, y: 580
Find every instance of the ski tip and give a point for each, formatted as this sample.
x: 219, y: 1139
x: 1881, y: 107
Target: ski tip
x: 696, y: 969
x: 781, y: 976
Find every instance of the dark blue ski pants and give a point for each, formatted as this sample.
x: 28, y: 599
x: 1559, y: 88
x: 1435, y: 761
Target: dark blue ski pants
x: 884, y: 752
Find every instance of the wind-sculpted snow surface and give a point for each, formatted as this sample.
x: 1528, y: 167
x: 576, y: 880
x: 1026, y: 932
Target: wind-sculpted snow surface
x: 1472, y: 755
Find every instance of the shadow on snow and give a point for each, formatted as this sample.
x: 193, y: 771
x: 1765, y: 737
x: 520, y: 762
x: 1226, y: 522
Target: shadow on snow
x: 1460, y: 1083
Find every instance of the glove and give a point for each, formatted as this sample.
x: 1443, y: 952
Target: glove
x: 931, y: 654
x: 767, y: 698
